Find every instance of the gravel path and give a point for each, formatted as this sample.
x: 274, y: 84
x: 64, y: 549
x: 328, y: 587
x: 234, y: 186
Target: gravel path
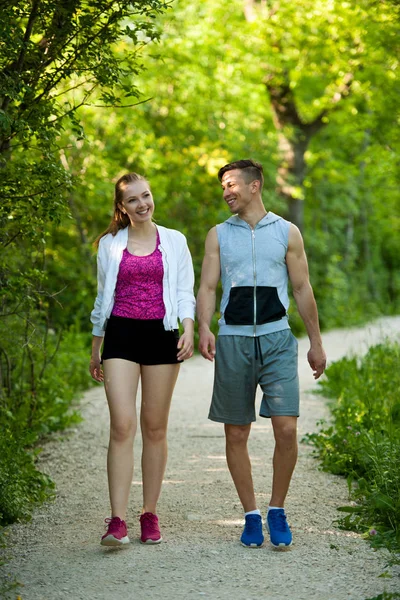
x: 58, y: 554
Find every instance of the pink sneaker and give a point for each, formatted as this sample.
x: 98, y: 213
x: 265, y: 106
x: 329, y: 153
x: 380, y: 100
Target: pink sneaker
x: 150, y: 529
x: 117, y: 533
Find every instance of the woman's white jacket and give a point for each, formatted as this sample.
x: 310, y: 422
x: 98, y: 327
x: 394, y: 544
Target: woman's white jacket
x: 178, y: 278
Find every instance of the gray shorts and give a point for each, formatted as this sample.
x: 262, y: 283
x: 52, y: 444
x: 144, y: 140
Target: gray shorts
x: 241, y: 363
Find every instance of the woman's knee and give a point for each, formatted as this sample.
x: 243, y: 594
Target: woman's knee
x: 154, y: 433
x: 123, y: 431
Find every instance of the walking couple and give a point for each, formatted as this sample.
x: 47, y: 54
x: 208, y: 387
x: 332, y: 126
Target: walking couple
x: 145, y: 285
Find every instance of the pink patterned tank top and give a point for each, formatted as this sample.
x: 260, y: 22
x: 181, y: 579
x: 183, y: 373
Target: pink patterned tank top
x: 139, y: 289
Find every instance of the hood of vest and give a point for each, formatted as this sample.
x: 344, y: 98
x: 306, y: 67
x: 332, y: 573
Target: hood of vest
x: 269, y: 218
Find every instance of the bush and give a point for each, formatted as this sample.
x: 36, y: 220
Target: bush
x: 362, y: 442
x: 34, y: 409
x: 22, y: 486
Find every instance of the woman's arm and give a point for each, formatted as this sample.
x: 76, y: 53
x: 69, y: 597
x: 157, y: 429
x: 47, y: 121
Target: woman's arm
x: 186, y: 303
x: 95, y: 316
x: 185, y: 283
x: 95, y: 368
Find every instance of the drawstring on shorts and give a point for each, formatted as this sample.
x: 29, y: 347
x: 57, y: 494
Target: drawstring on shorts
x: 257, y: 350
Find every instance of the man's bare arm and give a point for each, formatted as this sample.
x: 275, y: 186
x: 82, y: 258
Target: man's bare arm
x: 296, y: 262
x: 206, y: 297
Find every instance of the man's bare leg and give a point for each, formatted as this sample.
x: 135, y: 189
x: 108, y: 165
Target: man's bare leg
x: 285, y: 457
x: 238, y: 460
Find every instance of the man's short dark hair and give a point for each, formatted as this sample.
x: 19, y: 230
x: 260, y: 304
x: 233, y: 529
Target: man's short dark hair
x: 251, y: 170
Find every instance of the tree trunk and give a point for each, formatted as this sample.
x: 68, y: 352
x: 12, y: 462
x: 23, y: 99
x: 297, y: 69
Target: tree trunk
x: 292, y: 147
x: 290, y: 176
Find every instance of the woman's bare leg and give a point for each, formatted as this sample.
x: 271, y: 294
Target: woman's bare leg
x: 158, y: 382
x: 121, y: 379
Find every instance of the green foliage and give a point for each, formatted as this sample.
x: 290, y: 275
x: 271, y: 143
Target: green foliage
x: 22, y: 485
x: 386, y: 596
x: 50, y: 48
x: 44, y: 374
x: 8, y: 583
x: 34, y: 406
x: 362, y: 442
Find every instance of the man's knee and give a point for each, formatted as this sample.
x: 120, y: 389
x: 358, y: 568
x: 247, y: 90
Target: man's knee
x: 285, y: 430
x: 237, y: 434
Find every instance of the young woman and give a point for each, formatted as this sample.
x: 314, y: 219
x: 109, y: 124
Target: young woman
x: 145, y: 283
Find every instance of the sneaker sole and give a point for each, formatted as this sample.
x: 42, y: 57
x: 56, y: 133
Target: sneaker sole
x: 110, y: 540
x: 150, y: 542
x: 281, y: 547
x: 252, y: 545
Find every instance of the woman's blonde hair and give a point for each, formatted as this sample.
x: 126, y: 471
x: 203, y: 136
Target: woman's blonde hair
x: 120, y: 220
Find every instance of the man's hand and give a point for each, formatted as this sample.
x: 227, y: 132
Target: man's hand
x: 207, y: 343
x: 317, y: 359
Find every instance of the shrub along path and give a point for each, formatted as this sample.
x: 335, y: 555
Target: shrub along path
x: 58, y: 554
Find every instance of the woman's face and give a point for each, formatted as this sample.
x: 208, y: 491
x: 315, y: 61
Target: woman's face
x: 137, y: 201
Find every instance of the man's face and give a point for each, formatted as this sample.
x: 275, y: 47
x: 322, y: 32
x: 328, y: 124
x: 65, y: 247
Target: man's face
x: 236, y: 192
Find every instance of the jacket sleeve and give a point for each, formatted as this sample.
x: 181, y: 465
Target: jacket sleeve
x: 95, y: 316
x: 185, y: 283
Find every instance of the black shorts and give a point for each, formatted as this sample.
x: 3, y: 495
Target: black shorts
x: 145, y: 342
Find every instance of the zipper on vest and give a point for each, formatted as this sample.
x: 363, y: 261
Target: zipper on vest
x: 253, y: 243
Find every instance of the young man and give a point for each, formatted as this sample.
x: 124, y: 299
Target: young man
x: 254, y: 253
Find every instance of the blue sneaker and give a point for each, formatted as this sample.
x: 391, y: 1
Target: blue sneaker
x: 252, y: 536
x: 279, y: 530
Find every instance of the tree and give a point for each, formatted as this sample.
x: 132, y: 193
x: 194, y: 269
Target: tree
x: 316, y: 55
x: 54, y: 56
x: 50, y: 47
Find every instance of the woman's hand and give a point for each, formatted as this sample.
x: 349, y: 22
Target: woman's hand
x: 95, y: 369
x: 185, y: 346
x: 186, y: 341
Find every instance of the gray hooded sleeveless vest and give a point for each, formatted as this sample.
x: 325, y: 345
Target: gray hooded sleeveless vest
x: 254, y: 276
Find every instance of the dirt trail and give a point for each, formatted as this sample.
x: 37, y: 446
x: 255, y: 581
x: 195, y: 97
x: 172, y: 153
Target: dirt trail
x: 58, y: 554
